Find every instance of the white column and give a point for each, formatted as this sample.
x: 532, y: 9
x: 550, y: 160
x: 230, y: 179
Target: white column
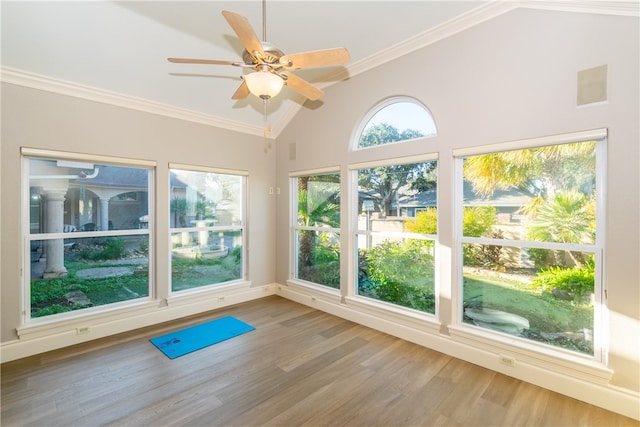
x: 104, y: 213
x: 54, y: 222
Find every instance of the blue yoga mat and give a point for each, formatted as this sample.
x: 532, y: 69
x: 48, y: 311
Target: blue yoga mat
x: 194, y: 338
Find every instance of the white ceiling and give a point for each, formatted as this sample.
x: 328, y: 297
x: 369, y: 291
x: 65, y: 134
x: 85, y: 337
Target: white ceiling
x: 116, y: 51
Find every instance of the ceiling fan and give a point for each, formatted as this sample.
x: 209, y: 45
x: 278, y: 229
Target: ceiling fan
x: 272, y: 68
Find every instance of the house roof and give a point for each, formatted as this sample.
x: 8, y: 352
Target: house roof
x: 500, y: 198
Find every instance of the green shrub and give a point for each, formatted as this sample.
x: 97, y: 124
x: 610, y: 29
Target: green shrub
x: 403, y: 274
x: 325, y: 252
x: 575, y: 281
x: 478, y: 220
x: 110, y: 248
x: 425, y: 222
x: 113, y: 249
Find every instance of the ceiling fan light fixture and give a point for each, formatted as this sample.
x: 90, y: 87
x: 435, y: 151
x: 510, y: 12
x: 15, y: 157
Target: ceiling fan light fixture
x: 264, y: 84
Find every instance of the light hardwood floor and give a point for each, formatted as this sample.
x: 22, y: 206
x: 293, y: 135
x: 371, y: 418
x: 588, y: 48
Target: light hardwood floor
x: 299, y: 367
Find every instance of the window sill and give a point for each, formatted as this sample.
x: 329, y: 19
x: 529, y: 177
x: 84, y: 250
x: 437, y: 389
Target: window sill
x: 314, y: 288
x: 405, y: 316
x: 558, y: 360
x: 216, y: 292
x: 47, y: 326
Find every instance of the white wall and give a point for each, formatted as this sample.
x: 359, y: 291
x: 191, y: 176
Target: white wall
x: 513, y: 77
x: 44, y: 120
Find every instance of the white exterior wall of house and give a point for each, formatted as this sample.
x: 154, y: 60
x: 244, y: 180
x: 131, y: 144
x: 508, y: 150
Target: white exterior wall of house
x: 510, y: 78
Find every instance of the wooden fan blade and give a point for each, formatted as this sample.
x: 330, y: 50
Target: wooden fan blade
x: 316, y: 58
x: 302, y: 86
x: 244, y: 31
x: 242, y: 92
x: 203, y: 61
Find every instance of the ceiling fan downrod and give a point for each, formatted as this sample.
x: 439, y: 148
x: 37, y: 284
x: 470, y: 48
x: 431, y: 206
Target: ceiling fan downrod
x: 264, y: 20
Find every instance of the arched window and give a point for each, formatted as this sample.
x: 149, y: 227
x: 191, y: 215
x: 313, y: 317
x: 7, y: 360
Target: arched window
x: 394, y: 120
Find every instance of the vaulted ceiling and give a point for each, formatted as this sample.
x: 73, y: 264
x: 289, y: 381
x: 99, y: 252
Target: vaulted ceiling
x: 116, y: 51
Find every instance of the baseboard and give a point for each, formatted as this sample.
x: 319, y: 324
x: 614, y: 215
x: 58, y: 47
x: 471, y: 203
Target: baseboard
x: 35, y: 342
x: 553, y: 377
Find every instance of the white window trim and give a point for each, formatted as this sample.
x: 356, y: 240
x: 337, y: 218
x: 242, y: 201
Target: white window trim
x: 95, y: 158
x: 393, y: 161
x: 207, y: 169
x: 567, y: 138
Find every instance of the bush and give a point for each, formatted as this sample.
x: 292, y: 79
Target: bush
x: 403, y: 274
x: 478, y: 220
x: 574, y: 281
x: 113, y: 249
x: 425, y: 222
x: 110, y: 248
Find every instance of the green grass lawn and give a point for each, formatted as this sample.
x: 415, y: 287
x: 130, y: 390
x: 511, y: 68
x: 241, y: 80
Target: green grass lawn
x: 547, y: 315
x: 48, y: 295
x: 544, y: 312
x: 193, y: 273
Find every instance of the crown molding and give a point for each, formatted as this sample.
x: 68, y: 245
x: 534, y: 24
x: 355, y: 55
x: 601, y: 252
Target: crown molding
x: 479, y: 15
x: 603, y: 7
x: 63, y: 87
x: 446, y: 29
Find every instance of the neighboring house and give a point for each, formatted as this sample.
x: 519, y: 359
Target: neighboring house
x: 507, y: 203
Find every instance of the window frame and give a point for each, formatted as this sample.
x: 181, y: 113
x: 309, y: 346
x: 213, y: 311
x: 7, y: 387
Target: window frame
x: 26, y: 155
x: 372, y: 112
x: 354, y: 232
x: 294, y: 228
x: 488, y: 337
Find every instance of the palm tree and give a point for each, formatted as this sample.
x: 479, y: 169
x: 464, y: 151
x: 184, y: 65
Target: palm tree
x: 314, y: 210
x: 566, y: 218
x: 538, y: 172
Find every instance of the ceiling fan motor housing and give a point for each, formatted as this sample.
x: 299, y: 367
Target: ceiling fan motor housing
x: 271, y: 55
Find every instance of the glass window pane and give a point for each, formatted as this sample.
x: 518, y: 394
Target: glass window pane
x: 541, y: 300
x: 396, y: 203
x: 207, y: 198
x: 548, y: 195
x: 319, y: 200
x: 318, y: 251
x: 398, y: 121
x: 205, y: 257
x: 69, y: 196
x: 319, y: 257
x: 544, y: 194
x: 397, y: 190
x: 209, y: 208
x: 399, y: 271
x: 93, y: 271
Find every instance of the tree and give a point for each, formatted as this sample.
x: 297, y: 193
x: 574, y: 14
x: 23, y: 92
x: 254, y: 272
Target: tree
x: 567, y: 218
x: 560, y: 180
x: 385, y: 181
x: 538, y: 172
x: 384, y: 133
x: 315, y: 209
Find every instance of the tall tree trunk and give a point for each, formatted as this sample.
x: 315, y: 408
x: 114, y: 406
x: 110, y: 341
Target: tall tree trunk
x: 306, y: 238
